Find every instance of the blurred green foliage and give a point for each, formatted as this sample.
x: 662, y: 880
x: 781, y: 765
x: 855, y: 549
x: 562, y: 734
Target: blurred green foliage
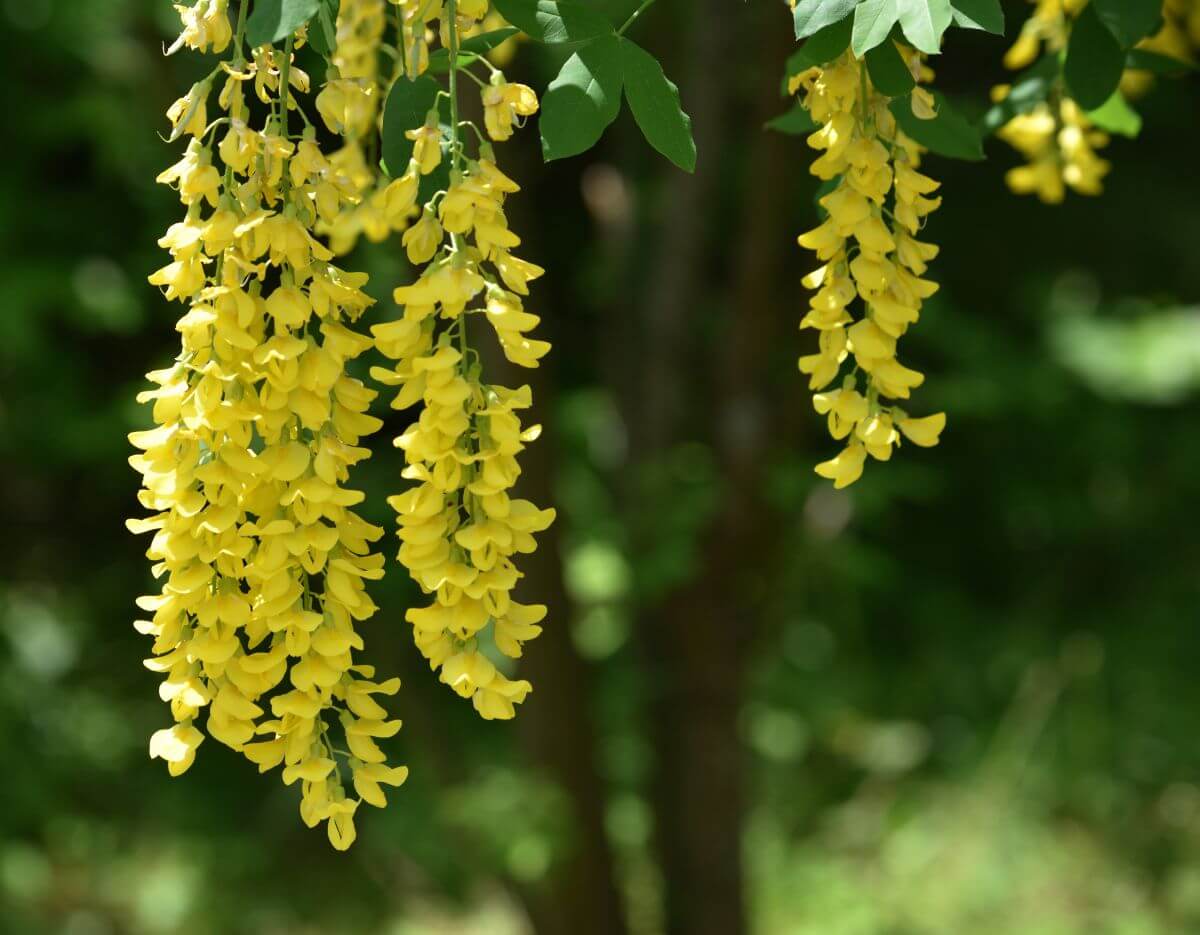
x: 971, y: 704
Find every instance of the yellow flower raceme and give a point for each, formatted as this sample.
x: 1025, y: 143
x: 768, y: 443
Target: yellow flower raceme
x: 1060, y: 144
x: 460, y: 528
x: 261, y: 557
x: 1056, y: 138
x: 349, y: 106
x: 869, y: 250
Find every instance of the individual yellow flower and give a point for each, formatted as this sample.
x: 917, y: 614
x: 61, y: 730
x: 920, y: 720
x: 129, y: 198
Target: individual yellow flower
x: 503, y: 103
x: 205, y: 26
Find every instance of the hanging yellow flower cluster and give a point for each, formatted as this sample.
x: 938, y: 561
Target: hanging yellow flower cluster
x: 261, y: 557
x: 1056, y: 138
x: 459, y: 527
x: 868, y: 249
x: 349, y: 105
x: 1177, y: 38
x: 1180, y: 33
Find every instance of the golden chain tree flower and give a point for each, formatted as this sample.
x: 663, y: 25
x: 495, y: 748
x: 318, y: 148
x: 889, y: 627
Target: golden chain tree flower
x: 261, y: 556
x: 349, y: 105
x: 868, y: 248
x: 459, y: 527
x: 1056, y: 138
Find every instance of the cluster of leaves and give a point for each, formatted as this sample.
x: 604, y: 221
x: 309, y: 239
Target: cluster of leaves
x: 871, y: 29
x: 275, y: 20
x: 584, y: 98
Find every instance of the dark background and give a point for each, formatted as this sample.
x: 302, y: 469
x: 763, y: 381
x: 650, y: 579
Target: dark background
x: 959, y: 697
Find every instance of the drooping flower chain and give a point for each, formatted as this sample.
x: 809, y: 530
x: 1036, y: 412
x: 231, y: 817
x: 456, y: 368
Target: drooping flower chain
x: 869, y: 250
x: 459, y: 527
x: 349, y: 105
x: 1057, y: 140
x: 263, y: 560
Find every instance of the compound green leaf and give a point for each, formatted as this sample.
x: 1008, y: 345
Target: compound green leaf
x: 888, y: 71
x: 654, y: 100
x: 987, y: 15
x: 873, y: 20
x: 556, y: 22
x: 582, y: 100
x: 1129, y: 20
x: 407, y: 104
x: 924, y: 22
x: 795, y: 122
x: 1156, y: 63
x: 811, y: 16
x: 481, y: 44
x: 1116, y: 116
x: 947, y: 134
x: 273, y: 20
x: 820, y: 48
x: 323, y: 33
x: 1095, y: 60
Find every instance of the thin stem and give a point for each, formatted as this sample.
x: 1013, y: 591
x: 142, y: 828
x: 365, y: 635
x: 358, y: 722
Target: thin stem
x: 452, y: 25
x: 238, y: 58
x: 285, y: 74
x: 455, y: 155
x: 474, y: 77
x: 636, y: 13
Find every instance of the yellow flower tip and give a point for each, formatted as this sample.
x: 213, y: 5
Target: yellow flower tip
x: 176, y: 746
x: 340, y: 825
x: 924, y: 432
x: 924, y: 107
x: 846, y: 468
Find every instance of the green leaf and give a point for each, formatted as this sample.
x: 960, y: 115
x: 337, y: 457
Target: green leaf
x: 654, y: 100
x: 979, y: 14
x: 583, y: 100
x: 811, y: 16
x: 1116, y: 116
x: 1129, y: 20
x: 323, y: 35
x: 1094, y: 60
x: 556, y: 22
x: 947, y: 134
x: 1029, y: 89
x: 873, y: 20
x: 471, y: 48
x: 1142, y: 60
x: 795, y: 122
x: 405, y: 108
x: 272, y: 20
x: 820, y: 49
x: 888, y: 71
x: 924, y: 21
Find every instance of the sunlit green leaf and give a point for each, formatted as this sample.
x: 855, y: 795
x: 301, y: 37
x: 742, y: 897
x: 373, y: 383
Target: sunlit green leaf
x: 582, y: 100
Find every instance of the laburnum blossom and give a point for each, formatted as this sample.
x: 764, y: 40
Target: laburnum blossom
x: 349, y: 105
x: 1058, y: 141
x: 868, y: 249
x: 262, y: 560
x: 460, y: 527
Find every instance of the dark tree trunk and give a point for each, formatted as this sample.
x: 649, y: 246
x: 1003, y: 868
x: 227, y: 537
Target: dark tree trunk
x: 696, y: 637
x: 580, y: 897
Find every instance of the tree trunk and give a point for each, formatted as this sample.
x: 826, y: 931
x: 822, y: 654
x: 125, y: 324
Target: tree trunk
x: 580, y: 896
x: 696, y: 638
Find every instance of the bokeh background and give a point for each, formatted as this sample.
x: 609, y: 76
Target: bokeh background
x: 960, y: 697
